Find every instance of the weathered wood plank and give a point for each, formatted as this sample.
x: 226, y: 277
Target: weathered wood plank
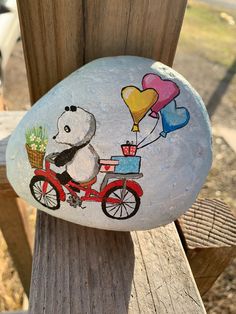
x: 77, y: 269
x: 13, y: 220
x: 106, y: 24
x: 134, y: 27
x: 209, y: 233
x: 145, y: 266
x: 164, y: 261
x: 141, y: 272
x: 53, y: 42
x: 16, y: 232
x: 154, y: 28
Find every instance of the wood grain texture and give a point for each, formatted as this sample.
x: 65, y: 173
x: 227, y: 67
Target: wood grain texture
x: 147, y: 28
x: 6, y: 189
x: 106, y: 25
x: 84, y: 270
x: 53, y: 41
x: 13, y: 220
x: 150, y: 251
x: 154, y: 28
x: 16, y: 232
x: 65, y: 34
x: 209, y: 233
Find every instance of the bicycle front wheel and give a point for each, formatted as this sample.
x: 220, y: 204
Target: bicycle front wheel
x: 45, y: 192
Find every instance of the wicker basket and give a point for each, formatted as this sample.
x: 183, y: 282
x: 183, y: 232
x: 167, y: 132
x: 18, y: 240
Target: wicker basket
x: 35, y: 157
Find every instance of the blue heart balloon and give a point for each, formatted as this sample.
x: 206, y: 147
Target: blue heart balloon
x: 173, y: 118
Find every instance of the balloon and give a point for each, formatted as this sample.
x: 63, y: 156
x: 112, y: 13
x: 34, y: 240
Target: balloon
x: 173, y: 118
x: 167, y: 91
x: 138, y: 102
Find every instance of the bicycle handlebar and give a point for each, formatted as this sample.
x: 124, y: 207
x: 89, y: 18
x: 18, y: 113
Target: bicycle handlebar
x: 51, y: 157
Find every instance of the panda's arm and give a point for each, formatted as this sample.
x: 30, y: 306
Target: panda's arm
x: 65, y: 156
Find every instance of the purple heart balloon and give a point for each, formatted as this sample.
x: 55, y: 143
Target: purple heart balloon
x: 166, y: 89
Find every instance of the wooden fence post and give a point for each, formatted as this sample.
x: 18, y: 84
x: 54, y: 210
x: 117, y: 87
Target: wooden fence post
x: 13, y: 220
x: 15, y: 229
x: 84, y: 270
x: 208, y: 231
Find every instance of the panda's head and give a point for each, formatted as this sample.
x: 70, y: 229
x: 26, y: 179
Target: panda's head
x: 76, y: 126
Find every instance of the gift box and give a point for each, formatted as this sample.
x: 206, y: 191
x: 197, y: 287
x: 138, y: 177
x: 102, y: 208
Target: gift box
x: 129, y: 149
x: 108, y: 165
x: 127, y: 164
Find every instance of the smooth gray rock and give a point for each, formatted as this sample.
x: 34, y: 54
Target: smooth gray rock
x: 86, y: 118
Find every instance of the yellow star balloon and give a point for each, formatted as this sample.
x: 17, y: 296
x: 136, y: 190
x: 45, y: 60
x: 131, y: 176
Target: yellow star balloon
x: 138, y: 102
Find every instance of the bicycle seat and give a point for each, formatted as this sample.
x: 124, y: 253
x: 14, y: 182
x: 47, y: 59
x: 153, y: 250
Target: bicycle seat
x: 89, y: 183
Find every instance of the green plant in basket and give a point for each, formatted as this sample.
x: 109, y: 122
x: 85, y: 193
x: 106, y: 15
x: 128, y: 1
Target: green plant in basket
x: 36, y: 138
x: 36, y: 143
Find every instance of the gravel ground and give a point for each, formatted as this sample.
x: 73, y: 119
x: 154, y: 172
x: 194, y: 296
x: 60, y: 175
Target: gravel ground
x: 220, y: 183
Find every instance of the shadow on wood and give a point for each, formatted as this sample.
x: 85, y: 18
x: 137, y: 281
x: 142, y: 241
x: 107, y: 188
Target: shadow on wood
x: 221, y: 89
x: 76, y: 273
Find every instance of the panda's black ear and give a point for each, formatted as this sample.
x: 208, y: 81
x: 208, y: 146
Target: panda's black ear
x: 73, y: 108
x: 67, y: 108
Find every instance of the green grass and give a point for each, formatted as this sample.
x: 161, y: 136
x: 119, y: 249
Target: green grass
x: 206, y: 33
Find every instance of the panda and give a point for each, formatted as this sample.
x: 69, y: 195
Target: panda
x: 76, y: 127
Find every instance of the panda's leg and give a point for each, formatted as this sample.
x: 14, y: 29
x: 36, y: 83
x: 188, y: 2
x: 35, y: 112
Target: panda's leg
x: 63, y: 177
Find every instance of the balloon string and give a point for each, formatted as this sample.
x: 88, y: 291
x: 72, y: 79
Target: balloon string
x: 136, y: 138
x: 149, y: 133
x: 150, y: 142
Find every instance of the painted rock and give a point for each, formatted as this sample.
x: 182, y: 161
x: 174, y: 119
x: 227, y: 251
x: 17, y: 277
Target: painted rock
x: 123, y: 143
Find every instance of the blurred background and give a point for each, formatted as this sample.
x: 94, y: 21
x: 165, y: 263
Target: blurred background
x: 206, y: 56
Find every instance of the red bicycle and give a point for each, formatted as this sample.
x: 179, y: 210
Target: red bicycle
x: 120, y: 199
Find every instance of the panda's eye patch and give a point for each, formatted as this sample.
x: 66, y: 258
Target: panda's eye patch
x: 67, y: 129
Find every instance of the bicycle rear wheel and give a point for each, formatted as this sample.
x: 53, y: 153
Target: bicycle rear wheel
x: 128, y: 205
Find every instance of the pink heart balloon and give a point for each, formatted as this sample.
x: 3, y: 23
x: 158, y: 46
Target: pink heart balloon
x: 166, y: 89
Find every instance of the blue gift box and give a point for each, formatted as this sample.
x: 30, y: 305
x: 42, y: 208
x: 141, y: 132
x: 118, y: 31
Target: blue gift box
x: 127, y: 164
